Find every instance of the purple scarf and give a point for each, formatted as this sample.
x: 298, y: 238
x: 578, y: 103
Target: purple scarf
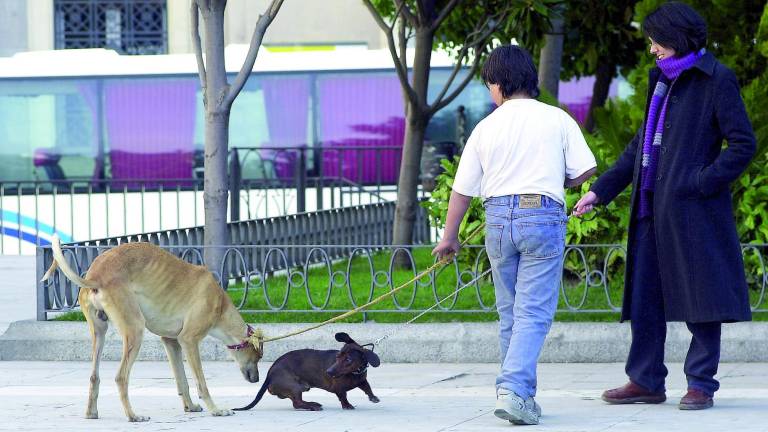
x: 671, y: 68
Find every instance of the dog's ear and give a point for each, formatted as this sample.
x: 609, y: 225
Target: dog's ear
x: 343, y: 337
x: 371, y: 358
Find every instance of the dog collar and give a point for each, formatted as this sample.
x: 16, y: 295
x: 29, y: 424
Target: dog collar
x: 245, y: 341
x: 362, y: 370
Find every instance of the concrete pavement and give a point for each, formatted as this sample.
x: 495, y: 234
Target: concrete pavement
x: 415, y: 343
x: 36, y: 396
x: 17, y: 289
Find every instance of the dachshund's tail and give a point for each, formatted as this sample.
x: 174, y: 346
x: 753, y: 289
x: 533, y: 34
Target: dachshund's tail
x: 259, y: 395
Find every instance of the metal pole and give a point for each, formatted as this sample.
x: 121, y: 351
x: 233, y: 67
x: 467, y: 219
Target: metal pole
x: 42, y: 291
x: 320, y: 184
x: 301, y: 181
x: 235, y: 177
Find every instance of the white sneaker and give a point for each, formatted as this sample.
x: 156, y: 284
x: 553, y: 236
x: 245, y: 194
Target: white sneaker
x: 511, y: 407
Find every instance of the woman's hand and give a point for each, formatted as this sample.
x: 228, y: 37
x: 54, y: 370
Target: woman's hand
x: 585, y: 204
x: 446, y: 247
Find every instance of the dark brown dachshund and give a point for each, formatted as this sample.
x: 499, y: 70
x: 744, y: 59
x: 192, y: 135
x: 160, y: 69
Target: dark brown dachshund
x: 335, y: 371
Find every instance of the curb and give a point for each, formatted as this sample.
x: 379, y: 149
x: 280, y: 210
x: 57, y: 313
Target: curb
x: 31, y: 340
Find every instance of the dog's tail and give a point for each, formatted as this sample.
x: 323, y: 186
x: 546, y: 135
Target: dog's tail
x: 60, y: 262
x: 259, y: 395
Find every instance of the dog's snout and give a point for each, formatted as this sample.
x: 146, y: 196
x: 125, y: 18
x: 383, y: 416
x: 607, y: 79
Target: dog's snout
x: 251, y: 376
x: 331, y: 372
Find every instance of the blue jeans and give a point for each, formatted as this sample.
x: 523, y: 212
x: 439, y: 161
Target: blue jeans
x: 525, y: 247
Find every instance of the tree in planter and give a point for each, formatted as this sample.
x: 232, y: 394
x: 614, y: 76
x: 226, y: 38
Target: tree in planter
x: 464, y: 27
x: 218, y: 97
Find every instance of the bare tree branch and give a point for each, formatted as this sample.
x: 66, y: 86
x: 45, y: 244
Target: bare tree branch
x: 438, y: 105
x: 471, y: 40
x: 402, y: 41
x: 456, y: 68
x: 477, y: 39
x: 421, y: 10
x: 444, y: 13
x: 407, y: 13
x: 400, y: 64
x: 258, y: 35
x: 195, y: 19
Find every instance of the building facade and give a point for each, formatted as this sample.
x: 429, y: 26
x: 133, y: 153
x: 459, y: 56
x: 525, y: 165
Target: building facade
x: 163, y: 26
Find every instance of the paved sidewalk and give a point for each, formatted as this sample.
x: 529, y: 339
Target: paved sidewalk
x: 17, y: 289
x: 37, y: 396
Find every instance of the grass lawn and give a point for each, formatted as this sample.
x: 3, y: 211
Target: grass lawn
x: 295, y: 296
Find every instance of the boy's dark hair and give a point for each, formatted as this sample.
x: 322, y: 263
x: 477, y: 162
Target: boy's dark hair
x: 512, y: 68
x: 678, y: 26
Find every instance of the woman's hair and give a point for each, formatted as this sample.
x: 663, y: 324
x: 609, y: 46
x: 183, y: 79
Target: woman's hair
x: 512, y: 68
x: 678, y: 26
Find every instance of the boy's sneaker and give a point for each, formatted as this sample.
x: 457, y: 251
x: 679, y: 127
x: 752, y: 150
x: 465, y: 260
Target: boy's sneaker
x: 519, y: 411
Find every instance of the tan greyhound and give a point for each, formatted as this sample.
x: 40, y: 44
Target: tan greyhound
x: 138, y: 285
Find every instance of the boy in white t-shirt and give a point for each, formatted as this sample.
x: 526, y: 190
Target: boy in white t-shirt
x: 518, y: 159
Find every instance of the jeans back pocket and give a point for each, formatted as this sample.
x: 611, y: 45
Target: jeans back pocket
x: 540, y: 236
x: 493, y: 233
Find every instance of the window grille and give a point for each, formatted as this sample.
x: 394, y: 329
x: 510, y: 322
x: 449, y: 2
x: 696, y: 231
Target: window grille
x: 127, y: 26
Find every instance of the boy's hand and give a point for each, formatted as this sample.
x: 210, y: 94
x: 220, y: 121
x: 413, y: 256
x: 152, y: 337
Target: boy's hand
x: 446, y: 247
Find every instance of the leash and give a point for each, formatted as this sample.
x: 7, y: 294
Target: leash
x: 257, y: 337
x: 424, y: 312
x: 454, y: 293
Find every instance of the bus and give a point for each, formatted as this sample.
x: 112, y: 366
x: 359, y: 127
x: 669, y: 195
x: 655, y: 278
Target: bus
x: 77, y: 125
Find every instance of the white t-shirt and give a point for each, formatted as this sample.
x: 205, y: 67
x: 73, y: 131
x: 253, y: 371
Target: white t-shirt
x: 523, y: 147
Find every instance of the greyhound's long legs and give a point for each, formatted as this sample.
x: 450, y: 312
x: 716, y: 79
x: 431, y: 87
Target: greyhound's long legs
x: 190, y: 347
x: 131, y: 345
x: 98, y: 329
x: 173, y: 349
x: 129, y: 321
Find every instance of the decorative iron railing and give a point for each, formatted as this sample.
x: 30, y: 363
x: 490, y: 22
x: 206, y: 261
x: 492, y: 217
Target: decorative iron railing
x: 329, y: 279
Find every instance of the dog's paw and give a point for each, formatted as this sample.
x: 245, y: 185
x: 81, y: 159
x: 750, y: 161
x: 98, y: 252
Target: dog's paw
x: 193, y: 408
x: 222, y: 412
x: 92, y: 415
x: 374, y: 399
x: 348, y: 407
x: 137, y: 418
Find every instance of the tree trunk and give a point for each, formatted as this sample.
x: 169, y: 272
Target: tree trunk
x: 216, y: 139
x: 417, y: 118
x: 408, y: 181
x: 215, y: 192
x: 603, y: 78
x: 551, y: 56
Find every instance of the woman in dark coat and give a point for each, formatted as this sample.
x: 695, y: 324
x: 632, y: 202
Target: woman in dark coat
x: 684, y: 260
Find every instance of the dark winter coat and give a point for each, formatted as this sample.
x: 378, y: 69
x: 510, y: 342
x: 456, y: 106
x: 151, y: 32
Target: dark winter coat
x: 702, y: 272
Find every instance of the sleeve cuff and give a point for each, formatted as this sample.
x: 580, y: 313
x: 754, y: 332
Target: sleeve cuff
x: 582, y: 171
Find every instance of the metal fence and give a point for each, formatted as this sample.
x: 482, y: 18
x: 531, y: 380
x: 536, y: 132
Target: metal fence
x: 363, y: 224
x: 290, y: 279
x: 264, y: 182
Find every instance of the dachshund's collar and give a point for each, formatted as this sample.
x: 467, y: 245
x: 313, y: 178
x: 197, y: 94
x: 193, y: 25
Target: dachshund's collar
x: 362, y: 369
x: 244, y: 344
